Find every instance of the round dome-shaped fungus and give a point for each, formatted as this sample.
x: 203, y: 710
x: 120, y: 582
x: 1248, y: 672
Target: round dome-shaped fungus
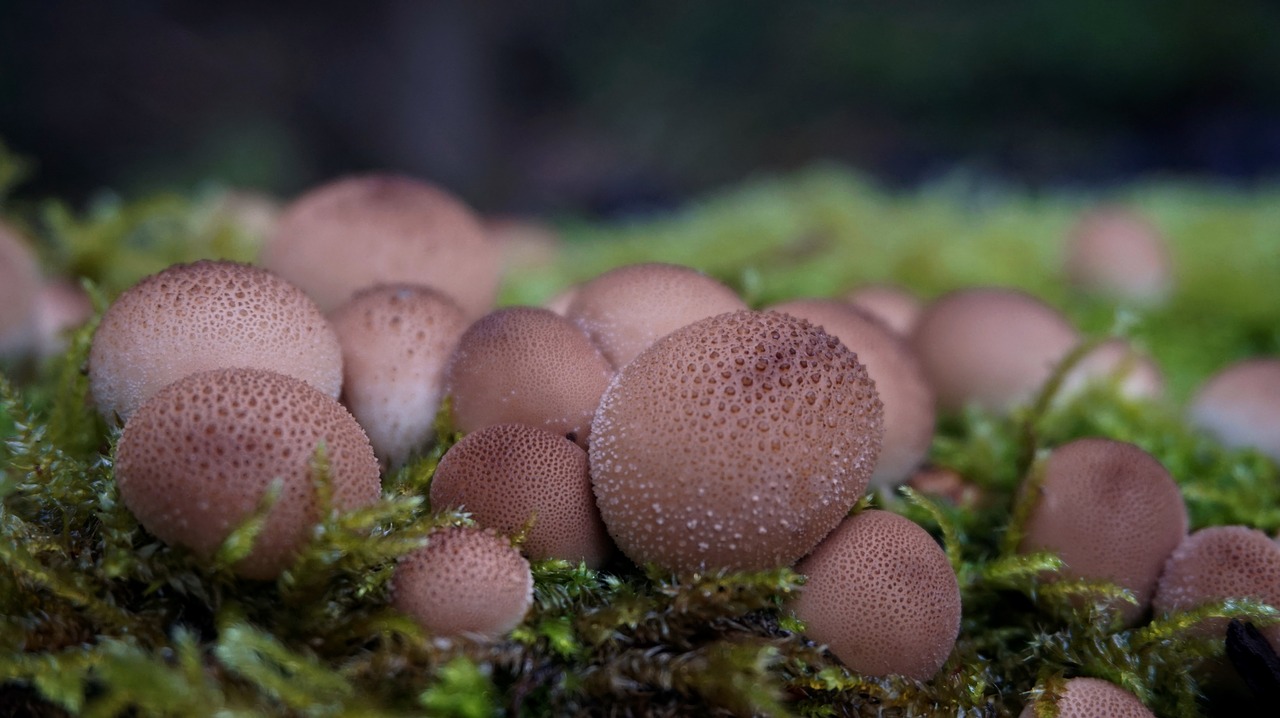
x: 989, y: 346
x: 396, y: 341
x: 525, y: 365
x: 625, y: 310
x: 506, y: 474
x: 1135, y: 375
x: 19, y: 289
x: 896, y: 307
x: 1240, y: 405
x: 465, y: 581
x: 523, y: 243
x: 1118, y: 253
x: 1094, y: 698
x: 1111, y: 512
x: 882, y: 596
x: 194, y: 462
x: 61, y: 306
x: 907, y: 398
x: 736, y: 442
x: 362, y: 231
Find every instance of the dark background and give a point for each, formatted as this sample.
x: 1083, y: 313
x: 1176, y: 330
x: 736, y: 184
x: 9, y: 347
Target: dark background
x: 605, y: 107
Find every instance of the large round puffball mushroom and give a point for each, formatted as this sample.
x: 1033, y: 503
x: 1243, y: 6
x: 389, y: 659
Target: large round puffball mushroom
x: 19, y: 291
x: 511, y: 477
x: 1240, y: 405
x: 208, y: 315
x: 1133, y: 374
x: 525, y: 365
x: 396, y: 341
x: 1093, y: 698
x: 896, y: 307
x: 627, y: 309
x: 1111, y: 512
x: 736, y: 442
x: 907, y: 398
x: 196, y: 459
x: 882, y: 596
x: 990, y: 347
x: 464, y: 582
x: 1118, y: 253
x: 362, y: 231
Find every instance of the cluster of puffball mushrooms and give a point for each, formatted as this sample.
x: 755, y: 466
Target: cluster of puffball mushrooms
x: 647, y: 411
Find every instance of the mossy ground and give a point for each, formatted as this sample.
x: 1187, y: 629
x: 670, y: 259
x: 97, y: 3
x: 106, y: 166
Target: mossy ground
x: 99, y: 618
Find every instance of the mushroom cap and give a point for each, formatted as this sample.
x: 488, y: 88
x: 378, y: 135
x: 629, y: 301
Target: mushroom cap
x: 893, y: 305
x: 736, y: 442
x: 396, y: 341
x: 195, y: 460
x: 524, y: 243
x: 626, y: 309
x: 526, y: 365
x: 882, y: 595
x: 1240, y: 405
x: 361, y: 231
x: 61, y: 306
x: 465, y: 581
x: 1112, y: 512
x: 906, y: 395
x: 208, y: 315
x: 1094, y: 698
x: 1136, y: 375
x: 19, y: 289
x: 1118, y: 253
x: 989, y: 346
x: 506, y: 474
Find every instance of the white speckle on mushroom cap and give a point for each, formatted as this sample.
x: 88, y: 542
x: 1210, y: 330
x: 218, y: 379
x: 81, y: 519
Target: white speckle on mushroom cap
x: 396, y: 342
x: 895, y: 306
x: 19, y: 288
x: 625, y: 310
x: 195, y: 460
x: 366, y: 230
x: 736, y: 442
x: 882, y: 595
x: 1112, y: 512
x: 1118, y: 253
x: 464, y: 582
x: 1240, y: 405
x: 989, y: 346
x: 208, y: 315
x: 507, y: 473
x: 906, y: 395
x: 1094, y: 698
x: 1135, y: 375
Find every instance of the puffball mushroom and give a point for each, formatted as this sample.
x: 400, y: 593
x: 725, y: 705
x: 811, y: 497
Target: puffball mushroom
x: 882, y: 595
x: 526, y: 365
x: 507, y: 474
x: 19, y: 289
x: 366, y: 230
x: 1240, y: 406
x: 1135, y: 375
x: 208, y: 315
x: 1111, y: 512
x: 61, y: 306
x: 625, y: 310
x: 989, y: 346
x: 907, y: 398
x: 1094, y: 698
x: 896, y: 307
x: 464, y: 582
x: 736, y: 442
x: 396, y: 341
x: 195, y: 460
x: 1118, y: 253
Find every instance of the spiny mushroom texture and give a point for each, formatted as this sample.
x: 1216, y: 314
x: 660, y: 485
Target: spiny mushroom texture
x: 736, y: 442
x: 208, y: 315
x: 1093, y: 698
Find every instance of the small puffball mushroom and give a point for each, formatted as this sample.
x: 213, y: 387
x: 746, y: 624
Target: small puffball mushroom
x: 907, y: 398
x: 1094, y: 698
x: 396, y: 341
x: 1136, y: 375
x: 1111, y: 512
x: 1240, y: 405
x: 362, y: 231
x: 896, y: 307
x: 506, y: 474
x: 19, y: 290
x: 208, y: 315
x: 196, y: 459
x: 882, y: 596
x: 464, y: 582
x: 627, y: 309
x: 60, y: 307
x: 736, y: 442
x: 1118, y: 253
x: 989, y: 346
x: 525, y: 365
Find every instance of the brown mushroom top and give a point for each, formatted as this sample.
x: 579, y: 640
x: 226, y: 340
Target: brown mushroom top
x: 1112, y: 512
x: 362, y: 231
x: 895, y: 306
x: 195, y: 460
x: 882, y: 596
x: 19, y: 289
x: 507, y: 474
x: 907, y: 398
x: 61, y: 306
x: 396, y: 341
x: 1094, y: 698
x: 1119, y: 253
x: 627, y: 309
x: 736, y: 442
x: 464, y: 582
x: 989, y: 346
x: 525, y: 365
x: 1135, y: 374
x: 1240, y: 405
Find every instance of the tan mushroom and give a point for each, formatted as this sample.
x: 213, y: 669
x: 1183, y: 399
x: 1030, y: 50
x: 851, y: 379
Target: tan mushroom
x: 1240, y: 406
x: 1135, y: 375
x: 19, y: 291
x: 893, y: 305
x: 1093, y: 698
x: 1118, y: 253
